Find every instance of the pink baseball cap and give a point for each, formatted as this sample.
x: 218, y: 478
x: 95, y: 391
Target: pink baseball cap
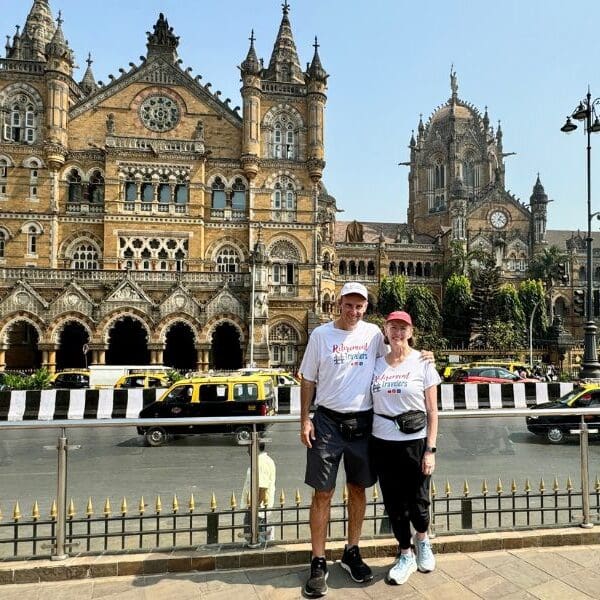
x: 399, y: 315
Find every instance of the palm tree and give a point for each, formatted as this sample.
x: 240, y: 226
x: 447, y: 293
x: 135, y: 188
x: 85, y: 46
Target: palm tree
x: 549, y: 266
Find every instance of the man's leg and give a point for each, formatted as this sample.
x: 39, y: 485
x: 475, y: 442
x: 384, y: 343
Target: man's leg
x: 319, y: 519
x: 357, y: 503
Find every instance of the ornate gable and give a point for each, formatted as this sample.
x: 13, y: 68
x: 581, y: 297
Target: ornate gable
x: 179, y: 300
x: 128, y: 291
x: 23, y: 297
x: 224, y: 302
x: 72, y: 298
x: 159, y: 71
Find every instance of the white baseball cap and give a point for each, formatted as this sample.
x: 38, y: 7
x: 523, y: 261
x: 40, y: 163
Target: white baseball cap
x: 353, y: 287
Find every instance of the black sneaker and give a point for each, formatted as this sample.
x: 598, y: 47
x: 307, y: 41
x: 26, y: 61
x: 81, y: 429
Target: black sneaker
x: 316, y: 586
x: 354, y: 564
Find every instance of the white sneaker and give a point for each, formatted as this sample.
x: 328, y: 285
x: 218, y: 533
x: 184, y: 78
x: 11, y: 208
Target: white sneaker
x: 403, y: 568
x: 425, y: 556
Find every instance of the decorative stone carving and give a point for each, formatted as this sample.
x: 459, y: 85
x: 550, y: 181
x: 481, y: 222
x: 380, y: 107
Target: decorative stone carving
x: 354, y: 232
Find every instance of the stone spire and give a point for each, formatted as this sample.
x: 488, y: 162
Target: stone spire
x: 251, y: 66
x: 284, y: 65
x: 38, y: 31
x: 315, y: 70
x: 539, y: 195
x: 58, y: 47
x: 88, y: 83
x: 162, y: 42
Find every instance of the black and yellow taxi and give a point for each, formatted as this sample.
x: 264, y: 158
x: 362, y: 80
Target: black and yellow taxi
x: 143, y: 380
x: 210, y: 396
x: 556, y: 428
x: 71, y: 379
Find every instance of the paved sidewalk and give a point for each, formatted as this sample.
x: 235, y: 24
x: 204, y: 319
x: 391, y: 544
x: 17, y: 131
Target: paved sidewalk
x: 548, y: 573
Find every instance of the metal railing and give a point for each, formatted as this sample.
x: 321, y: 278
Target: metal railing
x: 63, y: 532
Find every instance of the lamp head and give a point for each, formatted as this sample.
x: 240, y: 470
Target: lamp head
x: 595, y: 126
x: 580, y: 113
x: 569, y: 126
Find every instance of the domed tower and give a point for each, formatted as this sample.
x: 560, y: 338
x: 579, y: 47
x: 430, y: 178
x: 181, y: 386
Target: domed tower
x: 456, y: 142
x: 539, y: 208
x: 37, y: 33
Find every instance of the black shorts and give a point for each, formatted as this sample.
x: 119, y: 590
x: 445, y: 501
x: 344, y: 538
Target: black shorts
x: 323, y: 459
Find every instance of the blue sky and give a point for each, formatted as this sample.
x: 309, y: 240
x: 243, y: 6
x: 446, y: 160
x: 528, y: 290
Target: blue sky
x: 529, y: 61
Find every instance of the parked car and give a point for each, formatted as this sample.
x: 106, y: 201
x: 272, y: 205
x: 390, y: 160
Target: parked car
x: 73, y: 379
x: 511, y: 365
x: 143, y: 380
x: 211, y: 396
x: 556, y: 429
x: 488, y: 375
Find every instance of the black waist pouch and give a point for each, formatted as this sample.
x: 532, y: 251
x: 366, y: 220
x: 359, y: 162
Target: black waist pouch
x: 410, y: 421
x: 352, y: 426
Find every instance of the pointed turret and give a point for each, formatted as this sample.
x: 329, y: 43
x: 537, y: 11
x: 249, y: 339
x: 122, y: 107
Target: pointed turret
x: 499, y: 137
x: 539, y: 210
x: 284, y: 65
x: 412, y: 142
x: 486, y: 120
x: 88, y: 83
x: 162, y: 42
x: 538, y: 195
x: 251, y: 66
x: 58, y: 47
x: 316, y: 72
x: 421, y: 127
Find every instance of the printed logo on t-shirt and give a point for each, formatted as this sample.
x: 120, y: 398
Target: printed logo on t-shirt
x: 354, y: 355
x: 390, y: 383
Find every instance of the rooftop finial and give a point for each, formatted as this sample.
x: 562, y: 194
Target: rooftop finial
x: 316, y: 45
x: 89, y: 60
x: 252, y: 38
x: 59, y: 19
x: 453, y: 81
x: 286, y: 7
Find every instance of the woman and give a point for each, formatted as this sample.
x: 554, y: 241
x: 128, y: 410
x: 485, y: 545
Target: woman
x: 403, y: 443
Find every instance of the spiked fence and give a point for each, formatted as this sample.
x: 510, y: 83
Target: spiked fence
x: 177, y: 526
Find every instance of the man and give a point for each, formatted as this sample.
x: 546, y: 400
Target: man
x: 338, y: 364
x: 266, y: 492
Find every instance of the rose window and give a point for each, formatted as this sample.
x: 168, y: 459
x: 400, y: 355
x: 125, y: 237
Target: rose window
x: 159, y: 113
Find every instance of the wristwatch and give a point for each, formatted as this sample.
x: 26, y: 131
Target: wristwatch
x: 431, y: 449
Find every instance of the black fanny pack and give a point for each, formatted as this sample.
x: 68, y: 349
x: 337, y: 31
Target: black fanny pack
x: 410, y: 421
x: 352, y: 426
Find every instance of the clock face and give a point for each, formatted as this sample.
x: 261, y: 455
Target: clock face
x: 498, y: 219
x: 159, y: 113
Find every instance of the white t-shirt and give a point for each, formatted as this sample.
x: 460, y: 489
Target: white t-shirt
x: 341, y: 363
x: 398, y: 389
x: 266, y: 479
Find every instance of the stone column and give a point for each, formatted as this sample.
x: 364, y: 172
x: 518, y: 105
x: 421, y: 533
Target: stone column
x: 49, y: 356
x: 203, y: 357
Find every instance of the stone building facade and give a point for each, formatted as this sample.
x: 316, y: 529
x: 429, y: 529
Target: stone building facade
x: 134, y: 214
x: 147, y: 220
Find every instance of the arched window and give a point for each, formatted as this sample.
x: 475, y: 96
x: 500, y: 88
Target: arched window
x: 131, y: 190
x: 427, y: 270
x: 164, y: 190
x: 284, y: 138
x: 20, y: 121
x: 401, y: 268
x: 326, y: 262
x: 410, y: 270
x: 32, y: 240
x: 181, y: 191
x: 284, y: 201
x: 370, y: 268
x: 284, y: 274
x: 228, y: 260
x: 219, y: 199
x: 440, y: 186
x: 392, y: 270
x: 33, y: 179
x: 283, y: 344
x: 352, y: 267
x: 238, y: 198
x: 419, y: 270
x: 147, y: 192
x: 85, y: 257
x: 2, y: 243
x: 582, y: 273
x: 361, y: 267
x: 75, y: 187
x: 342, y: 268
x: 3, y: 176
x: 96, y: 188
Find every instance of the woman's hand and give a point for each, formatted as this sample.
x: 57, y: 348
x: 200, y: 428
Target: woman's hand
x: 307, y: 432
x: 428, y: 356
x: 428, y: 463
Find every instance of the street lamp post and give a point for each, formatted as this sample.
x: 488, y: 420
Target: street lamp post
x: 590, y: 367
x: 531, y: 332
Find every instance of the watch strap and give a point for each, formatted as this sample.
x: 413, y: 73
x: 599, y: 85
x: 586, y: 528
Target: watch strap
x: 431, y: 449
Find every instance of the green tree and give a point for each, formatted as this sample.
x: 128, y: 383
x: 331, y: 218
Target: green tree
x: 424, y: 310
x: 532, y: 293
x: 485, y: 288
x: 456, y: 309
x: 463, y: 261
x: 392, y: 294
x: 549, y: 266
x: 501, y: 334
x: 509, y: 308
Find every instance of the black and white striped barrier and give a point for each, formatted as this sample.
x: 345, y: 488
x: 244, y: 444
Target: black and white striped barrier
x: 47, y: 405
